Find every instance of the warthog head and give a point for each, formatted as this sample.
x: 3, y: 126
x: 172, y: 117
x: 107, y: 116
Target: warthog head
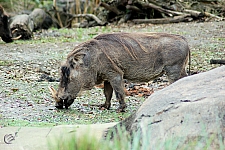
x: 5, y: 32
x: 72, y: 80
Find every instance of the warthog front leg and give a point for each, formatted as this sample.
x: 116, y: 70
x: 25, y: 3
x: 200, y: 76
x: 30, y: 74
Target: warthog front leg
x: 108, y: 90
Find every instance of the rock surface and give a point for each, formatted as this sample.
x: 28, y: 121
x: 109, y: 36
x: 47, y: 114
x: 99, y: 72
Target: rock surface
x: 193, y: 107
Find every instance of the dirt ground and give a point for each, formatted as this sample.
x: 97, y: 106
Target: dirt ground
x: 24, y: 95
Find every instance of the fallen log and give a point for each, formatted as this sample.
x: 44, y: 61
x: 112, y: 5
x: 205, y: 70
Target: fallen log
x: 217, y: 61
x: 150, y: 11
x: 134, y: 8
x: 198, y: 14
x: 176, y: 19
x: 160, y: 9
x: 110, y: 8
x: 207, y: 14
x: 90, y: 16
x: 194, y: 13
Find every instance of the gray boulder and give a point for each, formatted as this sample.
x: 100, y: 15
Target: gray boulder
x: 189, y: 109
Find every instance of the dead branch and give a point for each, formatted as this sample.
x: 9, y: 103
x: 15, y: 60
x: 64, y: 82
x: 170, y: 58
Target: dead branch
x: 92, y: 16
x: 156, y: 12
x: 176, y: 19
x: 110, y: 8
x: 134, y: 8
x: 207, y: 14
x: 57, y: 13
x: 194, y: 13
x: 217, y: 61
x: 160, y: 9
x: 198, y: 14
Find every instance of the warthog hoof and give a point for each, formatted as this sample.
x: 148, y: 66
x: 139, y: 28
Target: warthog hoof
x: 105, y: 106
x: 59, y: 107
x: 121, y: 108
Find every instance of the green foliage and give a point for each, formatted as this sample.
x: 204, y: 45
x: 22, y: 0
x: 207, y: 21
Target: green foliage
x: 89, y: 142
x: 123, y: 141
x: 23, y: 123
x: 73, y: 143
x: 37, y: 93
x: 18, y: 6
x: 5, y: 62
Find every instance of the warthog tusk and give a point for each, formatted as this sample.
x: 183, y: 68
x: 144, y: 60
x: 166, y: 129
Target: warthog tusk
x: 14, y: 30
x: 54, y: 92
x: 16, y: 38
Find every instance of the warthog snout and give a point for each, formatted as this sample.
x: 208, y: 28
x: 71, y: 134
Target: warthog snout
x: 62, y: 100
x: 59, y: 105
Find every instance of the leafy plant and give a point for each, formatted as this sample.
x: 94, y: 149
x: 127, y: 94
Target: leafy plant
x: 124, y: 141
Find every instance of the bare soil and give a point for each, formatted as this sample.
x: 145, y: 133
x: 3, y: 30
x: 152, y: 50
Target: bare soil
x: 24, y: 95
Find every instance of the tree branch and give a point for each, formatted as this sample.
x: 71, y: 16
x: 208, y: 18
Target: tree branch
x: 176, y: 19
x: 160, y: 9
x: 110, y: 8
x: 92, y: 16
x: 217, y: 61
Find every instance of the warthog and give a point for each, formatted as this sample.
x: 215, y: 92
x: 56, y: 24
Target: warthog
x: 110, y: 58
x: 5, y: 32
x: 22, y: 26
x: 41, y: 19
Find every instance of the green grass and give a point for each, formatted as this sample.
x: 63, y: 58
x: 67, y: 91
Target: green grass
x: 123, y: 141
x: 81, y: 112
x: 22, y: 93
x: 200, y: 58
x: 24, y: 123
x: 65, y: 35
x: 5, y: 63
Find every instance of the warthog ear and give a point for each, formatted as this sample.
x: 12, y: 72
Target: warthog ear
x: 78, y: 58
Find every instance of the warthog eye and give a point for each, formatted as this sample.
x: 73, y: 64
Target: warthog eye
x: 71, y: 64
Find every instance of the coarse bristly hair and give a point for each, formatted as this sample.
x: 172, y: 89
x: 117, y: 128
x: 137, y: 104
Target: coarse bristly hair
x: 103, y: 44
x: 65, y: 73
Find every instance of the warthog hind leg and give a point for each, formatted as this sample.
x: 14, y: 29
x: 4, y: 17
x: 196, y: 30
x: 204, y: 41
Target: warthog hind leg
x: 118, y: 87
x: 175, y: 72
